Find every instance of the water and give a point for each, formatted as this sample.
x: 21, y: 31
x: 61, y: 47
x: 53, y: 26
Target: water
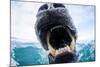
x: 28, y: 54
x: 34, y: 54
x: 86, y: 51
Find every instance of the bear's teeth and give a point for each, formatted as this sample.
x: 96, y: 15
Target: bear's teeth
x: 62, y: 50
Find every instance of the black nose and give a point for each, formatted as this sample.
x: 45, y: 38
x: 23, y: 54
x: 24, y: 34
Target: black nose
x: 51, y: 6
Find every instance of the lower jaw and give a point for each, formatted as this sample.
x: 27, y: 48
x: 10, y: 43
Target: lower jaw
x: 64, y: 57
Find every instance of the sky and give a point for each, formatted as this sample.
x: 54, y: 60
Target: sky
x: 23, y: 18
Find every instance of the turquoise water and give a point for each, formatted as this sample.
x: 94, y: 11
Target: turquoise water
x: 30, y: 54
x: 86, y: 52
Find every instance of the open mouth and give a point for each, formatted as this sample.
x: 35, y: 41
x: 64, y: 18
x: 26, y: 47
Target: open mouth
x: 60, y: 40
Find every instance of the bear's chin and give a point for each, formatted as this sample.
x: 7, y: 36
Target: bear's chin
x: 65, y: 56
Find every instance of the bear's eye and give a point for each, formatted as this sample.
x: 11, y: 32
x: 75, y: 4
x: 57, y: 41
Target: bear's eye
x: 56, y: 5
x: 44, y: 7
